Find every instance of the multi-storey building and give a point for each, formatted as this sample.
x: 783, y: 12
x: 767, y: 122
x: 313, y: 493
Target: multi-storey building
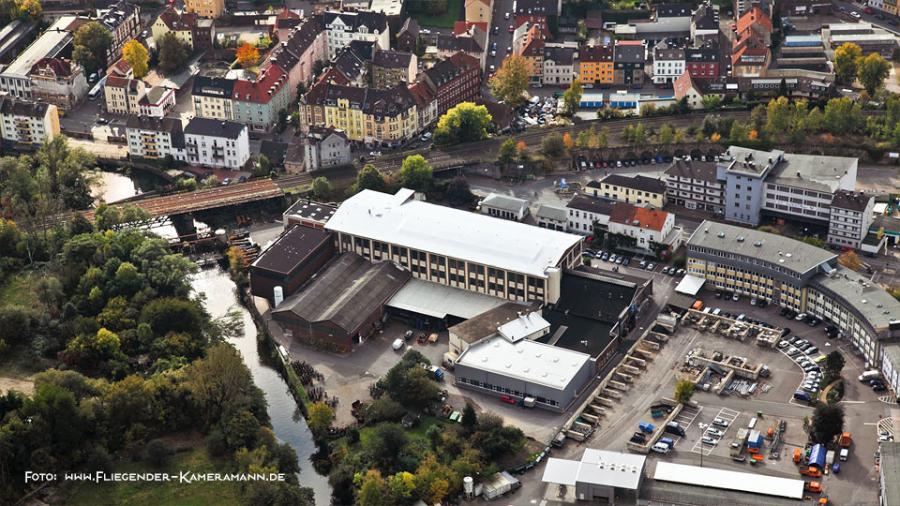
x: 628, y: 63
x: 388, y: 68
x: 470, y: 251
x: 157, y: 102
x: 454, y: 80
x: 692, y: 184
x: 342, y: 27
x: 58, y: 81
x: 27, y: 123
x: 408, y: 36
x: 799, y: 276
x: 584, y: 212
x: 639, y: 190
x: 704, y: 21
x: 426, y: 102
x: 552, y: 217
x: 213, y: 143
x: 123, y: 94
x: 668, y: 63
x: 298, y: 53
x: 559, y: 65
x: 205, y: 8
x: 123, y: 20
x: 650, y: 228
x: 850, y: 219
x: 197, y: 33
x: 150, y: 137
x: 258, y: 101
x: 213, y: 97
x: 532, y: 50
x: 16, y: 79
x: 470, y: 39
x: 479, y: 11
x: 703, y: 61
x: 869, y: 38
x: 595, y: 65
x: 324, y: 148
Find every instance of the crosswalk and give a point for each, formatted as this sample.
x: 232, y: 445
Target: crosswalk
x: 729, y: 415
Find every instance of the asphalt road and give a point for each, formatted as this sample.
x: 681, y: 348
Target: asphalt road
x: 868, y: 18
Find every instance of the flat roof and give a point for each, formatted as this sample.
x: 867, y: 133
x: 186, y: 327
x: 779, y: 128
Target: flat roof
x: 890, y: 469
x: 523, y: 326
x: 505, y: 202
x: 597, y: 467
x: 439, y: 301
x: 525, y: 360
x: 316, y: 211
x: 776, y: 249
x: 814, y: 172
x: 729, y: 480
x: 875, y: 304
x: 402, y: 220
x: 690, y: 285
x: 289, y: 250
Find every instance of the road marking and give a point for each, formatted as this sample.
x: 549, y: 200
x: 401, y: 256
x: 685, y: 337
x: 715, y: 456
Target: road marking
x: 853, y: 402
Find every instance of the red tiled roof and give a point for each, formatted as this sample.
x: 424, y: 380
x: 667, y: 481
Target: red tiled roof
x: 422, y: 94
x: 462, y: 27
x: 59, y: 66
x: 754, y: 15
x: 647, y: 218
x: 178, y: 22
x: 682, y: 85
x: 120, y: 68
x: 268, y: 82
x: 748, y: 51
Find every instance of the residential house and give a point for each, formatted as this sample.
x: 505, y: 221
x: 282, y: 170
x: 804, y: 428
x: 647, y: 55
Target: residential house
x: 390, y: 8
x: 850, y: 219
x: 27, y: 123
x: 584, y: 212
x: 213, y: 97
x: 285, y: 22
x: 750, y: 51
x: 479, y: 11
x: 123, y: 94
x: 628, y: 63
x: 197, y: 33
x: 559, y: 65
x: 704, y: 61
x: 532, y: 50
x: 595, y: 65
x: 325, y: 148
x: 704, y: 21
x: 639, y: 190
x: 258, y: 101
x: 454, y: 80
x: 408, y: 36
x: 16, y: 78
x: 536, y: 11
x: 150, y: 137
x: 123, y: 20
x: 693, y: 184
x: 552, y: 217
x: 392, y: 67
x: 504, y: 207
x: 472, y: 41
x: 650, y: 228
x: 157, y: 102
x: 298, y: 53
x: 668, y: 63
x: 205, y: 8
x: 351, y: 66
x: 342, y: 27
x: 58, y: 81
x: 426, y: 102
x: 213, y: 143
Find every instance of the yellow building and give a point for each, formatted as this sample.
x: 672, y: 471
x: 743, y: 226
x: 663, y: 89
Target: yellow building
x: 171, y: 21
x: 595, y: 65
x: 364, y: 114
x: 205, y: 8
x: 638, y: 190
x: 479, y: 11
x: 890, y: 6
x: 123, y: 94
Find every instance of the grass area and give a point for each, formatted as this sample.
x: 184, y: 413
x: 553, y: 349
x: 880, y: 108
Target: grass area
x: 417, y: 432
x: 445, y: 20
x: 19, y: 290
x: 198, y: 493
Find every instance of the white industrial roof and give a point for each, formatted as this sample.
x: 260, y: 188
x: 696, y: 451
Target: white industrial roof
x: 525, y: 360
x: 597, y: 467
x: 48, y: 44
x: 505, y: 202
x: 729, y: 480
x: 438, y: 301
x: 523, y: 326
x: 690, y: 285
x: 399, y: 219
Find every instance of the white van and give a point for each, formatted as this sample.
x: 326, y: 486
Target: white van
x: 660, y: 448
x: 869, y: 375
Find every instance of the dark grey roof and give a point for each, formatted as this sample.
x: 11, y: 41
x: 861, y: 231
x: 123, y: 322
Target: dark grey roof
x: 214, y: 128
x: 854, y: 201
x: 708, y: 52
x: 591, y: 204
x: 668, y: 53
x: 629, y: 53
x: 212, y: 86
x: 21, y: 108
x: 371, y: 20
x: 117, y: 14
x: 392, y: 59
x: 638, y: 182
x: 346, y: 292
x: 560, y: 55
x: 485, y: 324
x: 289, y: 251
x: 537, y: 7
x: 705, y: 18
x: 694, y: 169
x: 313, y: 210
x: 365, y: 49
x: 673, y: 10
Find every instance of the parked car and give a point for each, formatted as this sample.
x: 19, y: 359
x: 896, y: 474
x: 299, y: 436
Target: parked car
x: 715, y: 432
x: 398, y: 344
x: 735, y: 297
x: 709, y: 441
x: 651, y: 266
x: 720, y: 422
x: 855, y: 15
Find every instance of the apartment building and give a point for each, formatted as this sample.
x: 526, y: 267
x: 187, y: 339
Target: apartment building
x: 705, y: 21
x: 27, y: 123
x: 123, y: 94
x: 389, y: 68
x: 532, y: 50
x: 150, y: 137
x: 693, y: 184
x: 454, y: 80
x: 196, y: 32
x: 794, y: 274
x: 628, y: 63
x: 324, y: 148
x: 479, y: 11
x: 16, y: 78
x: 343, y: 27
x: 205, y: 8
x: 457, y: 248
x: 212, y: 97
x: 123, y: 20
x: 668, y: 63
x: 471, y: 40
x: 157, y: 102
x: 639, y: 190
x: 850, y: 219
x: 258, y: 101
x: 213, y: 143
x: 595, y: 66
x: 559, y: 65
x: 299, y: 51
x: 704, y: 61
x: 426, y: 103
x: 584, y: 212
x: 650, y: 228
x: 58, y: 81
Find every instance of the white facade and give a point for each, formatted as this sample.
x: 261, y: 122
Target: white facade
x: 215, y: 150
x: 152, y: 143
x: 848, y: 227
x: 339, y: 33
x: 28, y: 123
x: 667, y: 71
x: 800, y: 202
x: 558, y: 74
x: 156, y: 103
x: 328, y: 150
x: 644, y: 235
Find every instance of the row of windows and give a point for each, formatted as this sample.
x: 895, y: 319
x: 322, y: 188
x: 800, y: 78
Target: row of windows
x: 505, y: 390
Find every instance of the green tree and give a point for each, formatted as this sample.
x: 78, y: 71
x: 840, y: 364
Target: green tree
x: 320, y: 417
x: 711, y: 102
x: 510, y: 82
x: 827, y: 422
x: 815, y: 121
x: 872, y: 71
x: 846, y: 62
x: 173, y: 53
x: 508, y: 151
x: 465, y: 122
x: 684, y: 390
x: 370, y: 179
x: 666, y: 134
x: 469, y: 418
x: 384, y: 445
x: 220, y: 384
x: 842, y: 115
x: 157, y: 453
x: 91, y: 43
x: 373, y: 491
x: 136, y: 55
x: 458, y: 192
x: 572, y: 97
x: 834, y: 364
x: 552, y: 145
x: 321, y: 188
x: 416, y: 173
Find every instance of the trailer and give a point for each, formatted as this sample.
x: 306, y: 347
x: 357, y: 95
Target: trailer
x: 646, y: 427
x: 817, y: 456
x: 737, y: 444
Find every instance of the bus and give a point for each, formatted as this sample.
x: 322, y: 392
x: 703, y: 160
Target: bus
x: 97, y: 89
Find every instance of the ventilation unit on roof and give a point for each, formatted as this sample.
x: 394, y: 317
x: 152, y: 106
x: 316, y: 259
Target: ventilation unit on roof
x: 740, y: 238
x: 721, y: 235
x: 758, y: 244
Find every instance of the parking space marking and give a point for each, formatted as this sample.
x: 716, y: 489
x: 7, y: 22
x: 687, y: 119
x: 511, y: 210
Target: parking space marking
x: 726, y: 414
x: 685, y: 420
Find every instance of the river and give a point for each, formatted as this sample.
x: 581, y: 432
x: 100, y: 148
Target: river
x: 288, y: 423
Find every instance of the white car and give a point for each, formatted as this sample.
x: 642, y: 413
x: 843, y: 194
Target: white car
x: 714, y: 432
x: 855, y: 15
x: 398, y: 344
x: 721, y: 422
x: 709, y: 441
x: 375, y: 153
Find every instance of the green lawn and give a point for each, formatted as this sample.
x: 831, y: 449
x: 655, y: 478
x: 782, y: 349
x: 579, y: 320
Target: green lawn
x: 198, y: 493
x: 19, y: 290
x: 417, y: 432
x: 445, y: 20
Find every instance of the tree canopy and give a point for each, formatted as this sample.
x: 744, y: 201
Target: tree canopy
x: 415, y: 173
x: 173, y: 53
x: 572, y: 97
x: 846, y: 62
x: 136, y: 55
x: 510, y: 82
x: 247, y: 55
x: 465, y: 122
x: 91, y: 44
x: 872, y: 71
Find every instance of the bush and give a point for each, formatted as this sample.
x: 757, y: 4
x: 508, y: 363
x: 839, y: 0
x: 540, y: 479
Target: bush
x: 98, y: 459
x: 215, y: 443
x: 157, y: 453
x: 384, y: 409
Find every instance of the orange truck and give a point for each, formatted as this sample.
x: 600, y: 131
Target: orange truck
x: 811, y: 471
x: 698, y: 305
x: 813, y: 486
x: 798, y: 454
x: 845, y: 440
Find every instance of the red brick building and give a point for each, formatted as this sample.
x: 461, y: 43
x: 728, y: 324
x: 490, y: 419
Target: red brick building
x: 454, y: 80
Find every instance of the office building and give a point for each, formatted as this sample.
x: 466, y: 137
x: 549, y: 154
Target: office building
x: 693, y: 184
x: 850, y: 218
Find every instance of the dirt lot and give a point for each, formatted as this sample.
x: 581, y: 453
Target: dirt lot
x: 24, y: 386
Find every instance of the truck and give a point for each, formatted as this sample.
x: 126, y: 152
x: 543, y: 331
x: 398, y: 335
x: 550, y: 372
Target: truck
x: 829, y: 458
x: 646, y: 427
x: 434, y: 372
x: 845, y: 440
x: 845, y: 454
x: 754, y: 441
x: 737, y: 444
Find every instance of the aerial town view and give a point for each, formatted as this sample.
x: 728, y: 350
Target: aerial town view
x: 449, y: 252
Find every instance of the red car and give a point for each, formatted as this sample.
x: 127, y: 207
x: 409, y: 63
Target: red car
x: 511, y: 29
x: 869, y: 10
x: 509, y: 400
